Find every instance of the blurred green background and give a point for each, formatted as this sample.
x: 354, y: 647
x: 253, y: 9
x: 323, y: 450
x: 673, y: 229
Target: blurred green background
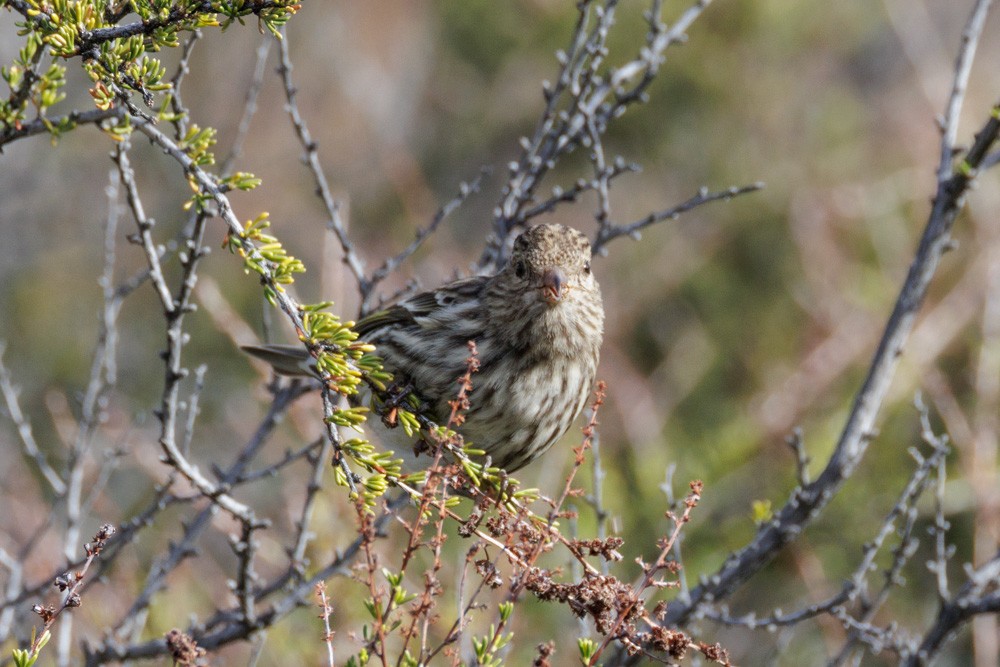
x: 726, y: 329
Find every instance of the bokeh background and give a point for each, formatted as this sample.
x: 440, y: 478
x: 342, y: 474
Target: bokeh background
x: 726, y: 328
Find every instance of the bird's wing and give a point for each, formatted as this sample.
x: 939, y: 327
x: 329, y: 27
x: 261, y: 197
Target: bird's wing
x: 424, y: 310
x: 393, y: 315
x: 448, y: 306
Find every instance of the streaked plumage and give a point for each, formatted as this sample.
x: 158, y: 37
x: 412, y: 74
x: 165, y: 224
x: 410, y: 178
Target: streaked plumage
x: 537, y: 324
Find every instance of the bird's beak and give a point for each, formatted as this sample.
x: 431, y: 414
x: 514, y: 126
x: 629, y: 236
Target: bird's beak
x: 553, y: 285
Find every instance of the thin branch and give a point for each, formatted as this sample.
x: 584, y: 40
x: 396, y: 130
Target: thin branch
x: 145, y: 225
x: 73, y: 119
x: 249, y: 106
x: 904, y: 511
x: 245, y: 548
x: 15, y: 577
x: 963, y: 68
x: 334, y: 221
x: 586, y: 94
x: 25, y: 431
x: 326, y: 610
x: 856, y: 586
x: 102, y: 378
x: 806, y: 503
x: 979, y: 595
x: 180, y: 112
x: 561, y: 195
x: 183, y: 548
x: 465, y: 190
x: 297, y: 553
x: 308, y: 451
x: 70, y: 584
x: 192, y: 409
x: 210, y: 638
x: 610, y: 232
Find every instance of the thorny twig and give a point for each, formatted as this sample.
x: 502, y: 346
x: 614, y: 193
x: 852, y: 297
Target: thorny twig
x: 179, y: 118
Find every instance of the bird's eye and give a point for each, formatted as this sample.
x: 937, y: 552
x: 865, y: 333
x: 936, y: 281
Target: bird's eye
x: 520, y: 269
x: 586, y: 267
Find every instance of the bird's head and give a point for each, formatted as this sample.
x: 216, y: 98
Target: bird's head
x: 550, y: 262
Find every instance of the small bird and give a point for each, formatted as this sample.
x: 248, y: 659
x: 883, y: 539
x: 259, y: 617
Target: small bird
x: 537, y: 324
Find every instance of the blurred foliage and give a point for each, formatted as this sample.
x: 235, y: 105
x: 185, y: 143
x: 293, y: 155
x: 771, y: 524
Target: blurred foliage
x: 716, y: 322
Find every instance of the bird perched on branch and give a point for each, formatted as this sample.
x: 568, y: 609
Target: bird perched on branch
x: 537, y: 324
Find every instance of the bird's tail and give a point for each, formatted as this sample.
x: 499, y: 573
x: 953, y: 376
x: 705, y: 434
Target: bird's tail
x: 292, y: 360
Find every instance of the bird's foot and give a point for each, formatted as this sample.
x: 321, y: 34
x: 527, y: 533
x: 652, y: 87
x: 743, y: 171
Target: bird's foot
x: 395, y: 398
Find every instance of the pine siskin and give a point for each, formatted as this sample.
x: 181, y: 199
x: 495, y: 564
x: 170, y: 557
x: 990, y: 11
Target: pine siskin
x: 537, y: 324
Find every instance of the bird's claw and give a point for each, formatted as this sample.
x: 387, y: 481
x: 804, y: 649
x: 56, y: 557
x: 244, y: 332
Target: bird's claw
x: 395, y: 394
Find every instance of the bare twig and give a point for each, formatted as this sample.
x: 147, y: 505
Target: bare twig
x: 585, y: 97
x: 297, y: 553
x: 102, y: 378
x: 249, y: 106
x: 334, y: 221
x: 180, y: 112
x: 609, y: 232
x: 183, y: 548
x: 806, y: 502
x: 325, y: 611
x: 979, y: 595
x: 25, y: 431
x: 465, y: 190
